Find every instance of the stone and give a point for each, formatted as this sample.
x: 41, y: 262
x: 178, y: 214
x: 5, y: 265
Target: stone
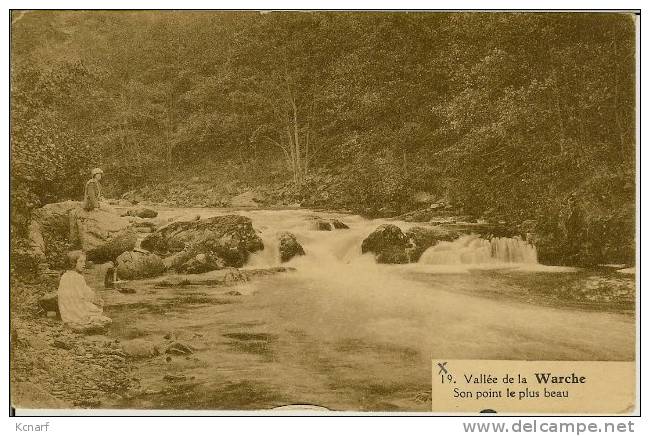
x: 118, y: 244
x: 178, y: 348
x: 323, y: 225
x: 392, y: 255
x: 327, y: 225
x: 101, y: 234
x: 142, y: 212
x: 229, y: 238
x: 55, y: 217
x: 139, y: 348
x: 388, y: 243
x: 339, y: 225
x: 289, y: 247
x: 202, y: 262
x: 385, y: 236
x: 138, y: 265
x: 421, y: 238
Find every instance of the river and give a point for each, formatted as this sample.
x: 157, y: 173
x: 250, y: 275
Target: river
x: 345, y: 333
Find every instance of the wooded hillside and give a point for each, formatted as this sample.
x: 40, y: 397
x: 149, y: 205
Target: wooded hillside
x: 503, y: 115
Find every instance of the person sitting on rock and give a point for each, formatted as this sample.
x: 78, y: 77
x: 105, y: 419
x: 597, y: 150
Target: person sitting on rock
x: 80, y: 307
x: 93, y: 191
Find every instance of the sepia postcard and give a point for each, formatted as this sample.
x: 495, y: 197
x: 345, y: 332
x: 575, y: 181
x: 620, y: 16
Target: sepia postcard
x: 323, y: 212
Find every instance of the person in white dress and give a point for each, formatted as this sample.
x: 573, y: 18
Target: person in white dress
x: 80, y: 307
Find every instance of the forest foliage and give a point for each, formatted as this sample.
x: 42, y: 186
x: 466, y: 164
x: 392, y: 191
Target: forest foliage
x: 504, y: 115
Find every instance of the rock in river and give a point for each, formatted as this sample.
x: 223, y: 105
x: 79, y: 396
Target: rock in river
x: 289, y: 247
x: 388, y: 243
x: 139, y: 348
x: 202, y: 262
x: 422, y: 238
x: 328, y: 224
x: 229, y: 238
x: 138, y: 265
x: 392, y: 255
x: 391, y: 245
x: 142, y: 212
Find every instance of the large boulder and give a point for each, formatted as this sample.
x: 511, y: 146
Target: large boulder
x: 54, y: 217
x: 421, y: 238
x: 385, y: 236
x: 323, y: 225
x: 224, y: 240
x: 392, y: 255
x: 388, y: 243
x: 141, y: 212
x: 327, y: 225
x: 200, y: 263
x: 114, y: 245
x: 138, y: 265
x: 101, y: 234
x: 289, y: 247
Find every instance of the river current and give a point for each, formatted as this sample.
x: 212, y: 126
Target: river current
x: 345, y: 333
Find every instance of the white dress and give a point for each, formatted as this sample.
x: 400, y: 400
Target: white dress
x: 77, y: 303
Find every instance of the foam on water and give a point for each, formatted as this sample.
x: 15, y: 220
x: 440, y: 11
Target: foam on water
x: 329, y: 250
x: 472, y: 249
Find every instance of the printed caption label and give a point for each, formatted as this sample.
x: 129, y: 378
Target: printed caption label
x: 533, y: 387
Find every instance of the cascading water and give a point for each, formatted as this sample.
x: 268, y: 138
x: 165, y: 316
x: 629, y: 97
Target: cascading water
x: 322, y: 247
x: 268, y: 257
x: 343, y: 246
x: 472, y: 249
x: 336, y: 248
x: 341, y: 316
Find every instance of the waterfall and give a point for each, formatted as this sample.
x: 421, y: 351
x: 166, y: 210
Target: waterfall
x: 268, y: 257
x: 334, y: 248
x: 323, y: 248
x: 472, y: 249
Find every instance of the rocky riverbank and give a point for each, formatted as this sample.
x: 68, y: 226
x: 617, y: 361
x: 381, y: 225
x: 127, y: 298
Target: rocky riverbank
x: 53, y: 367
x: 266, y: 335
